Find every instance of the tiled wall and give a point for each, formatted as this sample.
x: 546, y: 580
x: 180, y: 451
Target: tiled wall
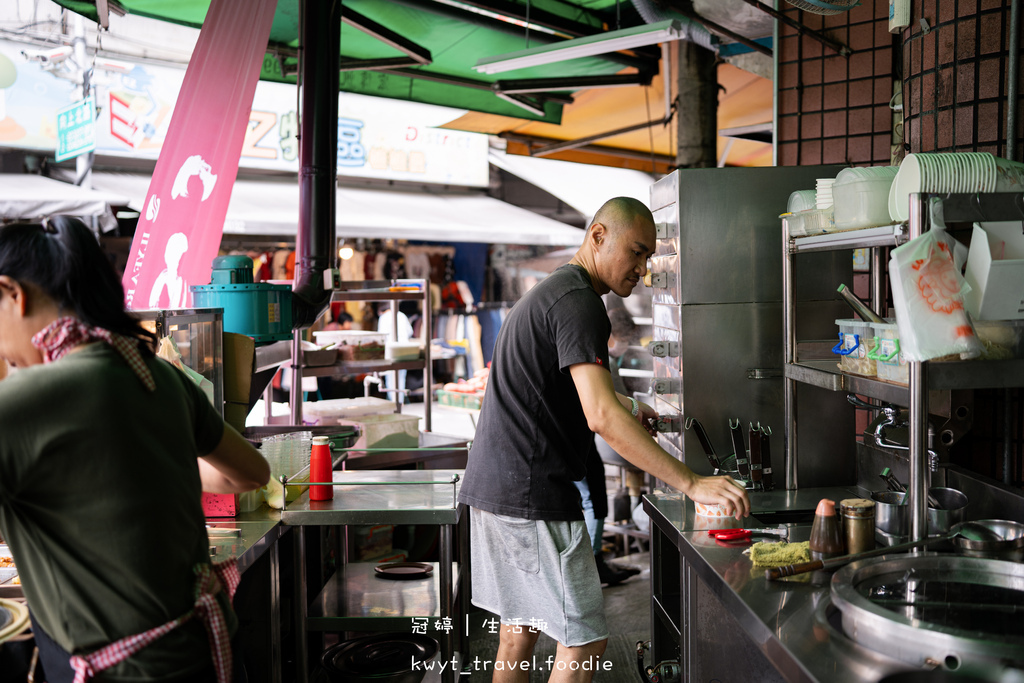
x: 955, y: 77
x: 835, y: 109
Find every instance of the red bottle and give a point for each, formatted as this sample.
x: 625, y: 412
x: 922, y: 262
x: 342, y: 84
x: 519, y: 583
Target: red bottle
x: 321, y: 469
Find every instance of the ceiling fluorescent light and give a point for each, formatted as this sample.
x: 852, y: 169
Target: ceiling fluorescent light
x: 610, y: 41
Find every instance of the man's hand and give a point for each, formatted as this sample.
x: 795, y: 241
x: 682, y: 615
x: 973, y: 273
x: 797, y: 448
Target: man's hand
x: 723, y: 490
x: 648, y: 417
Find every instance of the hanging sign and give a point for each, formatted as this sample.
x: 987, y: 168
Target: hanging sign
x: 76, y: 129
x: 179, y: 231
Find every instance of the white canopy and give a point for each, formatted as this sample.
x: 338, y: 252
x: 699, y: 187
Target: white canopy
x: 265, y: 207
x: 33, y: 197
x: 584, y: 187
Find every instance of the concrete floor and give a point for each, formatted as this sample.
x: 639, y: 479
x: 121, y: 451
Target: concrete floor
x: 628, y: 610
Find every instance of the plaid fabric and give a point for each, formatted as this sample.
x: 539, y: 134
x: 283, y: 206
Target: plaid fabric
x: 64, y: 334
x: 209, y: 582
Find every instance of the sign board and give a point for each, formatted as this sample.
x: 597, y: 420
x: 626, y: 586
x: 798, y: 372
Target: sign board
x: 377, y: 137
x: 76, y: 129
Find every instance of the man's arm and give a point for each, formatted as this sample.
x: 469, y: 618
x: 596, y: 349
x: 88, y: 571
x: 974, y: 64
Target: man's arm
x: 234, y: 466
x: 607, y: 416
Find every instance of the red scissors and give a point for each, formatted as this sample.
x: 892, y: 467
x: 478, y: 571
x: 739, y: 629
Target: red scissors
x: 730, y: 534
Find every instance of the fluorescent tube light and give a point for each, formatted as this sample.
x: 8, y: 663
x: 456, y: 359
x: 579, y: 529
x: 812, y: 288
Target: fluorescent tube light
x: 610, y: 41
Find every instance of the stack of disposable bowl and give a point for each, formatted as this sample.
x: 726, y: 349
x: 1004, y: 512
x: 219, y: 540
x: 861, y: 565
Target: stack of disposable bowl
x: 861, y: 197
x: 946, y: 172
x: 823, y: 189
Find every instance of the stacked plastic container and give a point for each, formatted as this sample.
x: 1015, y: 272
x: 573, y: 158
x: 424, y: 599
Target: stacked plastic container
x: 889, y: 362
x: 856, y: 342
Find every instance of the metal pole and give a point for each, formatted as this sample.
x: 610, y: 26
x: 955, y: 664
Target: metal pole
x: 789, y: 356
x: 295, y: 392
x: 446, y: 588
x: 428, y: 369
x: 918, y: 446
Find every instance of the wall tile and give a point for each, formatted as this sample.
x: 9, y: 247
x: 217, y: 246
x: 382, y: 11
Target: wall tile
x: 861, y: 64
x: 989, y: 122
x: 835, y: 96
x: 833, y: 151
x: 810, y: 126
x: 810, y: 70
x: 835, y: 69
x: 926, y: 142
x: 858, y: 149
x: 944, y: 129
x: 992, y: 31
x: 966, y: 45
x: 964, y: 126
x: 834, y: 123
x: 860, y: 121
x: 861, y: 93
x: 810, y: 152
x: 810, y: 100
x: 989, y: 78
x: 965, y: 82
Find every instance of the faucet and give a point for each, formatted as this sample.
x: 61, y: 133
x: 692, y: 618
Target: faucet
x: 892, y: 418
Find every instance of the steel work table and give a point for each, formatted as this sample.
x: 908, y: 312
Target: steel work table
x: 717, y: 615
x: 387, y: 497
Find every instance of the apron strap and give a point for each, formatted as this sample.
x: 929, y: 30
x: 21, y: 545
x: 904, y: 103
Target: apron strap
x: 209, y: 582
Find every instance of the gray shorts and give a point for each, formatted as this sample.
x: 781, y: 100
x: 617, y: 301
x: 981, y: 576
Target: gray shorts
x: 537, y: 574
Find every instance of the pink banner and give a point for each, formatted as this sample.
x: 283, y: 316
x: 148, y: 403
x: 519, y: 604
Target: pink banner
x: 180, y: 229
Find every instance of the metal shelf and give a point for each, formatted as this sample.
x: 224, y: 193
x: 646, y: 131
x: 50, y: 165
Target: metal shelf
x: 361, y: 367
x: 884, y: 236
x: 357, y: 599
x: 992, y: 374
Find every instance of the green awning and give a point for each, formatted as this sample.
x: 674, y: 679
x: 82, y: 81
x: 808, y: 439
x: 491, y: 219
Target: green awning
x: 455, y: 34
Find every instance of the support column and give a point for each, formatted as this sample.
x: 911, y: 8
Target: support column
x: 697, y: 107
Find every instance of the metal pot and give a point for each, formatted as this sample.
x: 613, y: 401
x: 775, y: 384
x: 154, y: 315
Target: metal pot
x: 1011, y: 547
x: 891, y: 512
x: 952, y: 506
x: 382, y: 658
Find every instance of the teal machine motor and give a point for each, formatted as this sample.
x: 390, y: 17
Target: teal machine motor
x: 259, y: 310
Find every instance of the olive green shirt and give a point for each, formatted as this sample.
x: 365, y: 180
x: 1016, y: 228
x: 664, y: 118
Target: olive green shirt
x: 100, y: 502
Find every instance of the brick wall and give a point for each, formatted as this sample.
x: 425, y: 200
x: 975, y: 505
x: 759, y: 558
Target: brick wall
x: 835, y: 109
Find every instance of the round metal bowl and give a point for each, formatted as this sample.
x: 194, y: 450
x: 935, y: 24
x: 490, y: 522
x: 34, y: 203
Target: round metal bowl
x: 1011, y: 547
x: 891, y: 512
x: 952, y: 506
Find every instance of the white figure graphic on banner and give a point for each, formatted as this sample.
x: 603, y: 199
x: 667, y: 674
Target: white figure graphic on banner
x: 169, y: 280
x: 193, y: 166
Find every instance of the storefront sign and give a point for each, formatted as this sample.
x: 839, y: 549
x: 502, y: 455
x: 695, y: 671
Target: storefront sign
x: 179, y: 232
x: 76, y: 128
x: 377, y: 137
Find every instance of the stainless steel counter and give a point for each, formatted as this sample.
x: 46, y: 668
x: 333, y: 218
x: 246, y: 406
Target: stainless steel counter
x: 382, y: 497
x: 786, y: 621
x: 259, y: 530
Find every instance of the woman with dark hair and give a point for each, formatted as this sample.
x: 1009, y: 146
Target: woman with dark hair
x: 104, y: 452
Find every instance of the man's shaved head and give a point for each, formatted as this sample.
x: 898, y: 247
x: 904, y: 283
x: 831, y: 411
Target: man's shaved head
x: 621, y: 211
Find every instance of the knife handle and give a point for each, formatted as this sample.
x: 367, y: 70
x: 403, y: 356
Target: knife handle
x: 776, y: 573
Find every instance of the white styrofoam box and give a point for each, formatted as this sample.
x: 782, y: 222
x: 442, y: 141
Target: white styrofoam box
x: 330, y: 411
x: 395, y: 350
x: 386, y: 431
x: 995, y: 271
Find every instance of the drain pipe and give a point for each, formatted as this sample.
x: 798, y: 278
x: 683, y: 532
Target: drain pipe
x: 318, y: 158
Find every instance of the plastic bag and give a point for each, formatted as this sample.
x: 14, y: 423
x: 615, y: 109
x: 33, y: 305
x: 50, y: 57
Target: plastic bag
x: 168, y: 350
x: 928, y: 295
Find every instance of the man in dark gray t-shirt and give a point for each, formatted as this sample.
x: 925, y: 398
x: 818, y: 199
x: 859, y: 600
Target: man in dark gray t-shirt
x: 549, y: 388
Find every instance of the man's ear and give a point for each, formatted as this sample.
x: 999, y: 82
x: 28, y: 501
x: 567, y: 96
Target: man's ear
x: 598, y: 233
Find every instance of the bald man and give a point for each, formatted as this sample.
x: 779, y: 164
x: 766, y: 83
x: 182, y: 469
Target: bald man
x: 549, y: 388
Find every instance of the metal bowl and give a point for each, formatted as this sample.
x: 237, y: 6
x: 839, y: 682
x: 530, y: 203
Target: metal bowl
x: 952, y: 506
x: 891, y: 512
x: 1011, y: 547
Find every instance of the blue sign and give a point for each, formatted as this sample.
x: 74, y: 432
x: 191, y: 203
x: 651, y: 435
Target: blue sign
x: 76, y: 129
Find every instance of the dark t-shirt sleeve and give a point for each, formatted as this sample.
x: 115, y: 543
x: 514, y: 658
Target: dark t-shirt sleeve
x: 581, y: 329
x: 207, y: 424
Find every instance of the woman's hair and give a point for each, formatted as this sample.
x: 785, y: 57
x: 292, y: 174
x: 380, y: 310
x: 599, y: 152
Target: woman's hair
x: 63, y: 259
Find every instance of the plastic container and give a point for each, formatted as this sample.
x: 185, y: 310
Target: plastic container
x: 856, y: 340
x: 330, y: 411
x: 861, y: 197
x: 811, y: 222
x: 1001, y: 338
x: 353, y: 344
x: 890, y: 364
x: 386, y: 431
x: 395, y: 350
